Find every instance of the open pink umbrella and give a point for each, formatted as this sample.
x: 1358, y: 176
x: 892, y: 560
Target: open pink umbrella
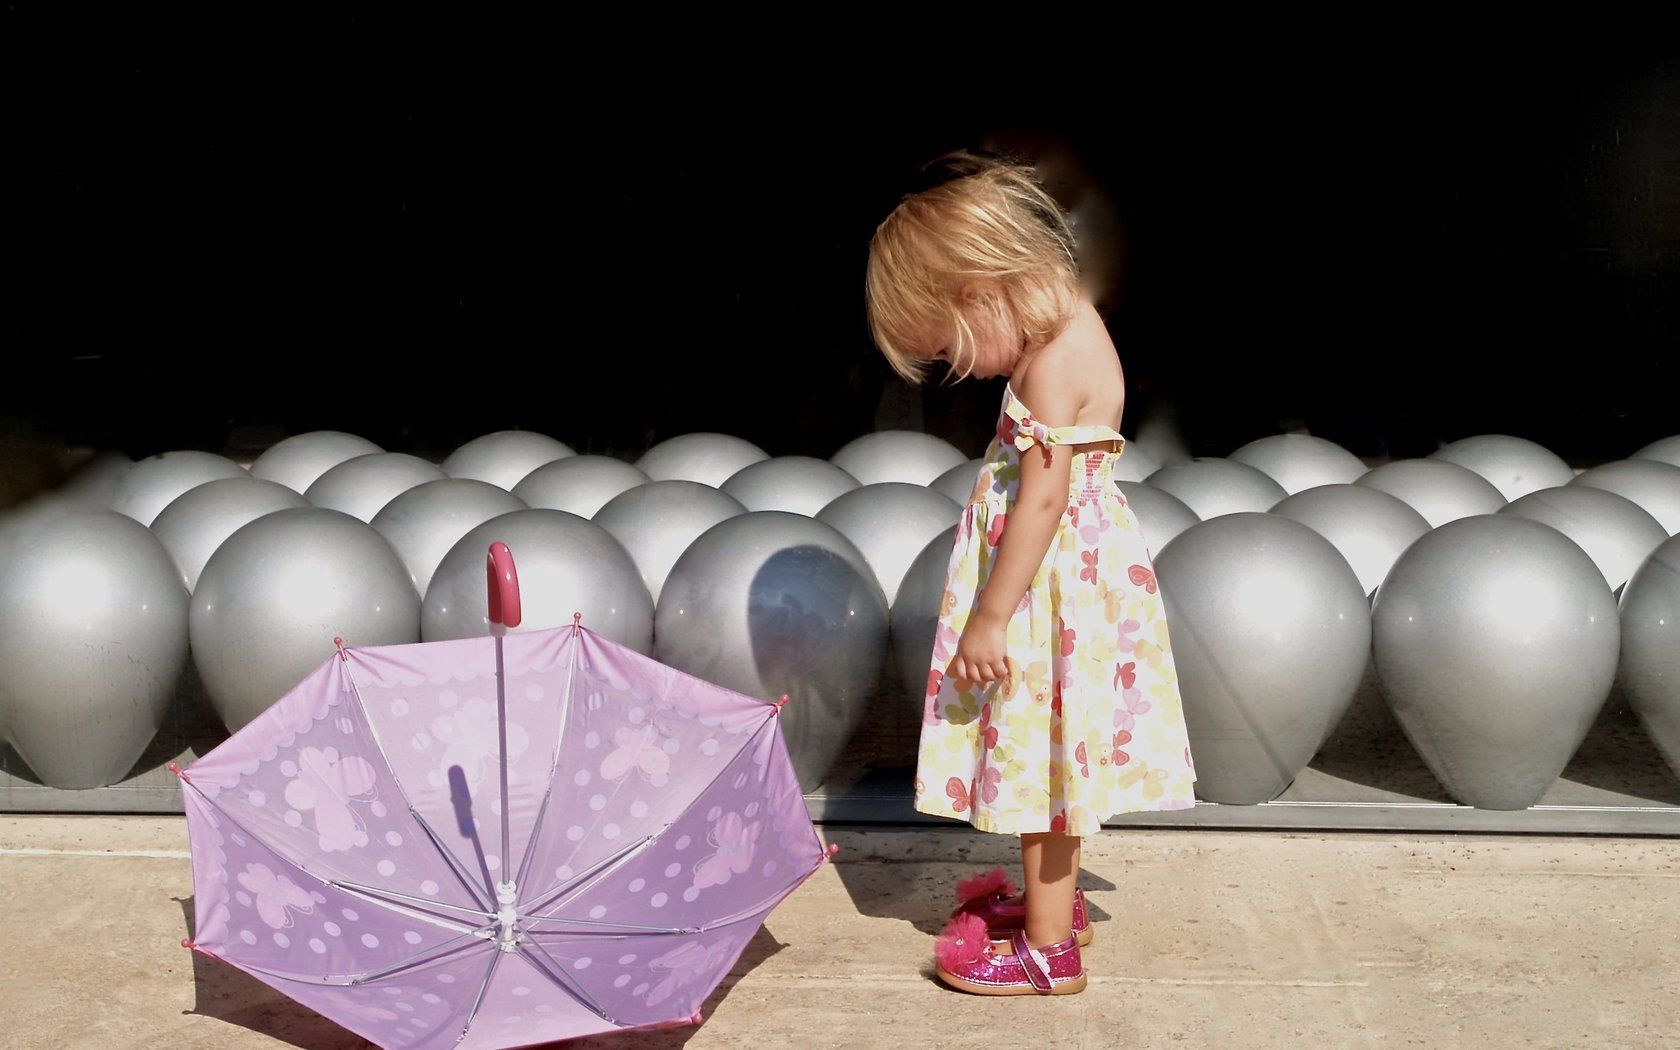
x: 497, y: 841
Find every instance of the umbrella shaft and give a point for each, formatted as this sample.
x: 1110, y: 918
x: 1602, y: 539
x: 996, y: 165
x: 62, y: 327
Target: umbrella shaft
x: 502, y: 746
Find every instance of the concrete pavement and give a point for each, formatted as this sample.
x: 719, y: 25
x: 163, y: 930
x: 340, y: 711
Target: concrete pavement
x: 1203, y: 939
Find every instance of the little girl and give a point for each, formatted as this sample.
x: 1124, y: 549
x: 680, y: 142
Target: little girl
x: 1052, y: 701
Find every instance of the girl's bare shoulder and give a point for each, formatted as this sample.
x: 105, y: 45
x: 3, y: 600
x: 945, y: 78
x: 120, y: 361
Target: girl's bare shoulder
x: 1082, y: 358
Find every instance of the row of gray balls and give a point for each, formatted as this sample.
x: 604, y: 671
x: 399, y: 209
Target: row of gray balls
x: 790, y: 574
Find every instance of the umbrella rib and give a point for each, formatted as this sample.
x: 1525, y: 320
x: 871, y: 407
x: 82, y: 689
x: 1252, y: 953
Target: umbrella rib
x: 615, y: 925
x: 740, y: 916
x: 419, y: 957
x: 586, y: 935
x: 398, y: 909
x: 599, y: 871
x: 536, y: 828
x: 384, y: 756
x: 322, y: 879
x: 380, y: 896
x: 581, y: 995
x: 554, y: 761
x: 769, y: 902
x: 449, y: 857
x: 495, y: 959
x: 723, y: 768
x: 340, y: 981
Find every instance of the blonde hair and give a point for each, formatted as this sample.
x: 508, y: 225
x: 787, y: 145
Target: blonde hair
x: 993, y: 221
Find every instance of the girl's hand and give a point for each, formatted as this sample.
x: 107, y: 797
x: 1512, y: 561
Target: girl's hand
x: 981, y: 656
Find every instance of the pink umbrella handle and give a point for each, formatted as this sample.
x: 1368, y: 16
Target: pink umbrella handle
x: 503, y: 582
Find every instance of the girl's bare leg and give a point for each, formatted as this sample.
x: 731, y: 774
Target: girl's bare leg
x: 1051, y: 864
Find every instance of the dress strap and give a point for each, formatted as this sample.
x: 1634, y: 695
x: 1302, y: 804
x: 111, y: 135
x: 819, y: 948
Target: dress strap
x: 1028, y: 429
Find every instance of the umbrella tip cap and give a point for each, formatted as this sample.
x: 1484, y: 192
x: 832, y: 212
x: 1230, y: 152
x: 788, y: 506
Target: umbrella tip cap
x: 176, y: 769
x: 833, y: 848
x: 780, y: 702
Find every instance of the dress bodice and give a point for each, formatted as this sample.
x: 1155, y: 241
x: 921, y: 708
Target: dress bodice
x: 1018, y: 431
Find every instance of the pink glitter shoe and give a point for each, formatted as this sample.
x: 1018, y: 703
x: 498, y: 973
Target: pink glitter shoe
x: 971, y: 961
x: 992, y: 896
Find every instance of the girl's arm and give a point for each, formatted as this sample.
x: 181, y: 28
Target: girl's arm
x: 1026, y: 539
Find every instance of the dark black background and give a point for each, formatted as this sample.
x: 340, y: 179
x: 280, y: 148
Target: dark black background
x: 220, y: 232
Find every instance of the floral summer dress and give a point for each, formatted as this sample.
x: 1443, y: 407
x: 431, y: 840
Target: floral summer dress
x: 1090, y: 722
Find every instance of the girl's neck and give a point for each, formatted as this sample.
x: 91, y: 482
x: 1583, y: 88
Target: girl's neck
x: 1084, y: 313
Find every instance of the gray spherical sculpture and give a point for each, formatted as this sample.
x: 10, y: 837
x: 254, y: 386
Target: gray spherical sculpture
x: 656, y: 522
x: 1616, y: 534
x: 424, y: 522
x: 16, y: 520
x: 915, y: 620
x: 579, y: 485
x: 505, y: 457
x: 1651, y: 483
x: 1515, y: 466
x: 890, y: 522
x: 772, y: 602
x: 1160, y: 515
x: 362, y: 486
x: 1438, y: 490
x: 566, y: 564
x: 958, y: 483
x: 1650, y: 659
x: 1270, y: 632
x: 1495, y: 642
x: 155, y: 482
x: 298, y: 460
x: 201, y: 520
x: 705, y: 457
x: 1300, y: 461
x: 1665, y: 450
x: 93, y: 640
x: 897, y: 455
x: 1370, y: 527
x: 94, y: 484
x: 799, y: 484
x: 1211, y: 487
x: 273, y: 597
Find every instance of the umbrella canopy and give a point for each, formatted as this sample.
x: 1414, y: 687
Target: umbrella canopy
x: 497, y: 841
